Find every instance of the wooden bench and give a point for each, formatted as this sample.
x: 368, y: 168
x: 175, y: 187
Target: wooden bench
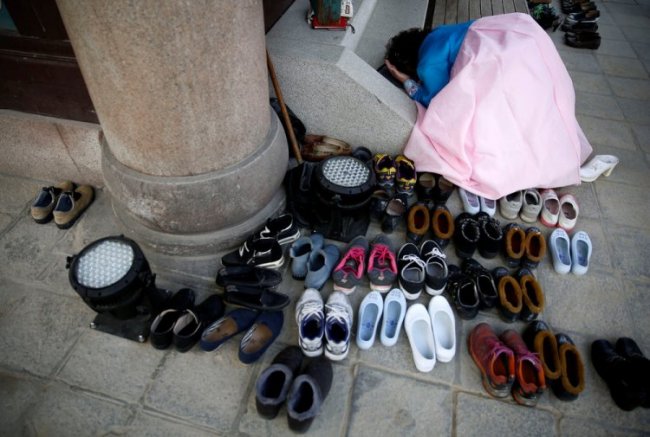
x: 458, y: 11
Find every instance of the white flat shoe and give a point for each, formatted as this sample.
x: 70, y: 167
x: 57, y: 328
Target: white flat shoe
x: 488, y: 206
x: 598, y: 165
x: 569, y: 211
x: 471, y: 203
x: 418, y: 329
x: 580, y: 252
x: 369, y: 315
x: 444, y: 328
x: 560, y: 251
x: 394, y: 312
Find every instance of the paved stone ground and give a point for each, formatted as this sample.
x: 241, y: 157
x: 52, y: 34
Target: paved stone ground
x: 58, y: 377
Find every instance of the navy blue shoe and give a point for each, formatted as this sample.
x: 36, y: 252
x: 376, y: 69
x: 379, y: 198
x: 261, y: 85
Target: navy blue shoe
x: 260, y: 336
x: 189, y: 326
x: 228, y: 326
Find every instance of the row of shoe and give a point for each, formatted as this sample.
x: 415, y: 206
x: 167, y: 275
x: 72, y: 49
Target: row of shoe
x: 532, y: 204
x: 517, y: 296
x: 64, y: 203
x: 303, y: 387
x: 570, y: 254
x: 184, y: 324
x: 581, y: 24
x: 525, y: 365
x: 626, y: 371
x: 263, y: 248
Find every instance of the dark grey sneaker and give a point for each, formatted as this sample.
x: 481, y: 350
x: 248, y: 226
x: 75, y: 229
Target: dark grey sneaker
x: 307, y: 394
x: 382, y: 266
x: 265, y: 252
x: 436, y: 271
x: 411, y: 271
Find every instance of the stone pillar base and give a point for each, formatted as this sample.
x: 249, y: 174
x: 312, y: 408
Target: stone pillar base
x: 185, y: 224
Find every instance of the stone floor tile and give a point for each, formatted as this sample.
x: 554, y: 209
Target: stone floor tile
x: 17, y: 395
x: 628, y: 16
x: 147, y: 424
x: 631, y: 88
x: 590, y: 82
x: 574, y: 302
x: 630, y: 253
x: 478, y: 415
x: 330, y: 421
x: 39, y: 329
x: 601, y: 131
x: 621, y: 66
x: 641, y: 49
x: 598, y: 106
x: 637, y: 34
x: 642, y: 134
x: 595, y: 402
x: 576, y: 60
x: 635, y: 201
x: 205, y: 388
x: 395, y: 405
x: 635, y: 111
x: 610, y: 31
x: 586, y: 197
x: 636, y: 296
x: 18, y: 193
x: 5, y: 221
x: 616, y: 47
x: 98, y: 360
x: 65, y: 412
x: 580, y: 426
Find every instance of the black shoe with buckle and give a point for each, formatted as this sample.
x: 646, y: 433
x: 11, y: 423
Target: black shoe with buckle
x: 463, y: 293
x: 282, y: 228
x: 265, y: 252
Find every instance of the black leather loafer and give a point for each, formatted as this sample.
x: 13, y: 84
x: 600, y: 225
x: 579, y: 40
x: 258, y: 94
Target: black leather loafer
x: 487, y: 291
x: 255, y: 298
x: 248, y: 275
x: 463, y: 292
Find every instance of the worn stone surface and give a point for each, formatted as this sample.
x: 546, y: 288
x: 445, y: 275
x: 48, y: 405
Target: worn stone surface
x: 624, y: 67
x: 642, y: 134
x: 630, y: 252
x: 607, y: 132
x: 17, y: 395
x: 635, y: 200
x: 148, y: 424
x: 598, y: 106
x: 578, y: 426
x: 590, y: 82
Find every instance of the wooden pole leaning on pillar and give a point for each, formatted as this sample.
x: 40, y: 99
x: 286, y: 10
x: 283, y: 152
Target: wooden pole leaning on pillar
x: 283, y: 108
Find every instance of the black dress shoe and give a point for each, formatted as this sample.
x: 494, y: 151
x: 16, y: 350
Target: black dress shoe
x: 248, y: 275
x: 617, y: 373
x: 491, y: 238
x: 255, y: 298
x: 581, y: 41
x: 572, y: 379
x: 580, y: 27
x: 190, y: 325
x: 161, y: 335
x: 393, y: 216
x: 487, y: 291
x: 628, y: 349
x: 273, y: 384
x: 466, y: 235
x: 463, y: 293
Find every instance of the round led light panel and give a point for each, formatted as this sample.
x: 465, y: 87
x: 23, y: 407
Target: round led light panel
x: 104, y: 264
x: 346, y: 172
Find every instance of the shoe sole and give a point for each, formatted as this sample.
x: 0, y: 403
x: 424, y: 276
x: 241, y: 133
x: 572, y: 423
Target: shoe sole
x: 522, y: 400
x: 44, y: 220
x: 433, y: 292
x: 333, y: 357
x: 380, y: 288
x: 409, y: 295
x: 273, y: 264
x: 312, y: 354
x: 289, y: 239
x: 74, y: 220
x: 496, y: 393
x: 547, y: 223
x: 344, y: 290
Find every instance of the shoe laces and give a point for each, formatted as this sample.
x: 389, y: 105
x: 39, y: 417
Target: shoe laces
x: 338, y: 313
x: 352, y: 261
x: 382, y: 254
x: 435, y: 251
x: 310, y: 309
x: 412, y: 258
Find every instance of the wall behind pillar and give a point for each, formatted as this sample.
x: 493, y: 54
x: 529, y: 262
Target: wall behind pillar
x: 173, y: 93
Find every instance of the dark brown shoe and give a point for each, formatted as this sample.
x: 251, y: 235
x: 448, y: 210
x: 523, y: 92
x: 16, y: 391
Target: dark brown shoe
x: 532, y: 294
x: 510, y: 295
x: 540, y: 340
x: 514, y: 244
x: 47, y: 199
x: 71, y: 205
x: 530, y: 382
x: 572, y: 380
x: 442, y: 225
x: 495, y: 361
x: 534, y: 248
x: 417, y: 223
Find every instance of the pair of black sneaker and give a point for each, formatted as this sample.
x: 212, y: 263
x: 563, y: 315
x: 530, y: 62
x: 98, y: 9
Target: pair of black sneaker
x: 625, y: 370
x: 264, y: 247
x: 471, y: 288
x: 303, y: 389
x: 423, y: 268
x: 478, y: 231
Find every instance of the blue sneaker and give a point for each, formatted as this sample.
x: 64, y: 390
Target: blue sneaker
x: 300, y: 251
x: 227, y: 327
x: 311, y: 322
x: 260, y: 336
x: 320, y: 266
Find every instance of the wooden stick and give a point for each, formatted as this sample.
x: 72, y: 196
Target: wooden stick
x: 283, y: 108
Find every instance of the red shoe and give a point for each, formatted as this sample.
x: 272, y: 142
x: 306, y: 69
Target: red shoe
x: 530, y: 382
x: 495, y: 361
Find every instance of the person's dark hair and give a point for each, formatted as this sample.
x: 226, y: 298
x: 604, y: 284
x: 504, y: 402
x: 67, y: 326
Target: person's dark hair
x: 402, y: 50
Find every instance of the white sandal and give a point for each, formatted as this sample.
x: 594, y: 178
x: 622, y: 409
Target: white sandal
x: 569, y: 211
x: 599, y: 164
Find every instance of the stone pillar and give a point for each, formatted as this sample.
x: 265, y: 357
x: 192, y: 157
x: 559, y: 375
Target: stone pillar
x: 192, y: 154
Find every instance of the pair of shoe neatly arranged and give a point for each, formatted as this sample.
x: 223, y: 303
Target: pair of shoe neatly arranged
x: 473, y: 204
x: 324, y: 328
x: 525, y: 248
x: 263, y: 248
x: 478, y: 231
x: 394, y: 175
x: 64, y: 203
x: 526, y: 365
x: 252, y: 287
x: 374, y: 308
x: 570, y: 254
x: 182, y: 322
x: 376, y: 259
x: 420, y: 220
x: 423, y: 268
x: 303, y: 387
x: 312, y: 260
x: 431, y: 333
x: 532, y: 204
x: 581, y: 24
x: 626, y: 371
